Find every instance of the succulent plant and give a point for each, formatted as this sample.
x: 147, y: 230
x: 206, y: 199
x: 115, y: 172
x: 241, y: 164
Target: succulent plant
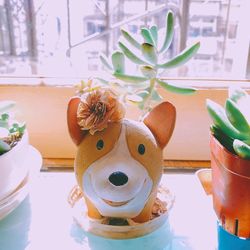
x: 142, y: 89
x: 10, y: 131
x: 232, y: 124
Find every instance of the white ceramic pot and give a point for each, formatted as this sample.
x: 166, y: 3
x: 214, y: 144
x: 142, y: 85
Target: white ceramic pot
x: 14, y: 167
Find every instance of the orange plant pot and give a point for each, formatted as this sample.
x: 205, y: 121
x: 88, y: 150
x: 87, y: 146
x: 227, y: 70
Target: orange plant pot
x: 231, y: 189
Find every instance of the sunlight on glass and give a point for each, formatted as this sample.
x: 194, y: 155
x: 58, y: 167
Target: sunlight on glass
x: 65, y: 38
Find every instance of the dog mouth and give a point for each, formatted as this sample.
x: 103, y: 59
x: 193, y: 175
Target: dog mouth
x: 121, y: 203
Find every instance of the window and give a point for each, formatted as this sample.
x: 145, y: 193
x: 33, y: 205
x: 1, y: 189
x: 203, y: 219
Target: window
x: 58, y: 43
x: 58, y: 38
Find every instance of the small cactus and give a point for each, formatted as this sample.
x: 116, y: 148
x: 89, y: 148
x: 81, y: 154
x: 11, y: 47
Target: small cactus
x: 142, y: 89
x: 232, y: 123
x: 10, y: 132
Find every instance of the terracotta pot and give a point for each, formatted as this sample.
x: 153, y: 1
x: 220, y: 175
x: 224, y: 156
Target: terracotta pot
x: 231, y: 189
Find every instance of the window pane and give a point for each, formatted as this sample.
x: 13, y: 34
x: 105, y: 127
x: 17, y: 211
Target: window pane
x: 65, y: 37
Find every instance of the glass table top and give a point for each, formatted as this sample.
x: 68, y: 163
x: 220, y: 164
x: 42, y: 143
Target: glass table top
x: 44, y: 219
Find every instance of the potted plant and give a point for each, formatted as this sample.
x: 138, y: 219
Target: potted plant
x: 13, y: 150
x: 118, y: 164
x: 230, y: 162
x: 148, y: 55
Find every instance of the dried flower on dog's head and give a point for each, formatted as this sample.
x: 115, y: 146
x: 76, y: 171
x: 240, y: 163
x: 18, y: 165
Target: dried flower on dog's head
x: 98, y: 108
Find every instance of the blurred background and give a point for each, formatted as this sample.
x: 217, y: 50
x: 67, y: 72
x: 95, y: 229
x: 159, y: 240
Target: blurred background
x: 64, y: 38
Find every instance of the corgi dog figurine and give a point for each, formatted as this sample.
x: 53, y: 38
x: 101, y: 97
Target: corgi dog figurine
x: 118, y: 167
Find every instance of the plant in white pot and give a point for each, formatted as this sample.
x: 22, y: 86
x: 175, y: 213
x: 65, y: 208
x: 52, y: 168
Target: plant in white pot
x: 16, y: 157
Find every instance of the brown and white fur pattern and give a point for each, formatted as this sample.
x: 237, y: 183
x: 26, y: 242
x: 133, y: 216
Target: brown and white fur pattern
x: 122, y: 152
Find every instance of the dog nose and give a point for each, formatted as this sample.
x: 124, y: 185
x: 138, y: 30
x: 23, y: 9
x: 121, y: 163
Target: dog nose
x: 118, y: 178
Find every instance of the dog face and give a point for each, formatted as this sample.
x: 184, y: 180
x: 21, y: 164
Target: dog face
x: 120, y: 167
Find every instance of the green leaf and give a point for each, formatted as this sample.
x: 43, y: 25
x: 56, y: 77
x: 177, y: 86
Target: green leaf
x: 149, y: 52
x: 155, y: 96
x: 143, y: 94
x: 134, y: 98
x: 105, y: 62
x: 218, y: 115
x: 224, y: 140
x: 5, y: 117
x: 154, y: 34
x: 130, y: 39
x: 5, y: 106
x: 130, y: 55
x: 148, y: 71
x: 175, y: 88
x: 236, y: 93
x: 236, y: 117
x: 118, y: 61
x: 182, y: 58
x: 130, y: 78
x: 148, y: 38
x: 241, y: 149
x: 15, y: 125
x: 4, y: 147
x: 169, y: 31
x: 22, y: 128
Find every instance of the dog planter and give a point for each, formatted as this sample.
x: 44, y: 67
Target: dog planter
x: 118, y: 168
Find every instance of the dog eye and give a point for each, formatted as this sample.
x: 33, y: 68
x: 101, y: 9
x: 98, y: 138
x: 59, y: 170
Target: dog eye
x: 141, y: 149
x: 100, y: 144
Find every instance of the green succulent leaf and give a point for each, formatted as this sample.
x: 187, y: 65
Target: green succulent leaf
x: 4, y: 147
x: 169, y: 31
x: 5, y: 106
x: 16, y: 127
x: 130, y: 78
x: 182, y: 58
x: 236, y: 117
x: 134, y: 98
x: 218, y: 115
x: 130, y: 55
x: 225, y: 140
x: 241, y: 149
x: 148, y: 38
x: 105, y: 62
x: 4, y: 117
x: 149, y: 52
x: 236, y: 93
x: 155, y: 96
x: 118, y: 61
x: 175, y: 88
x: 154, y: 33
x: 143, y: 94
x: 148, y: 71
x: 130, y: 39
x: 22, y: 128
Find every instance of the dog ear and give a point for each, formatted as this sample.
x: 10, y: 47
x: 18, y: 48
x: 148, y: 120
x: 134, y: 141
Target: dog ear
x: 161, y: 122
x: 74, y: 129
